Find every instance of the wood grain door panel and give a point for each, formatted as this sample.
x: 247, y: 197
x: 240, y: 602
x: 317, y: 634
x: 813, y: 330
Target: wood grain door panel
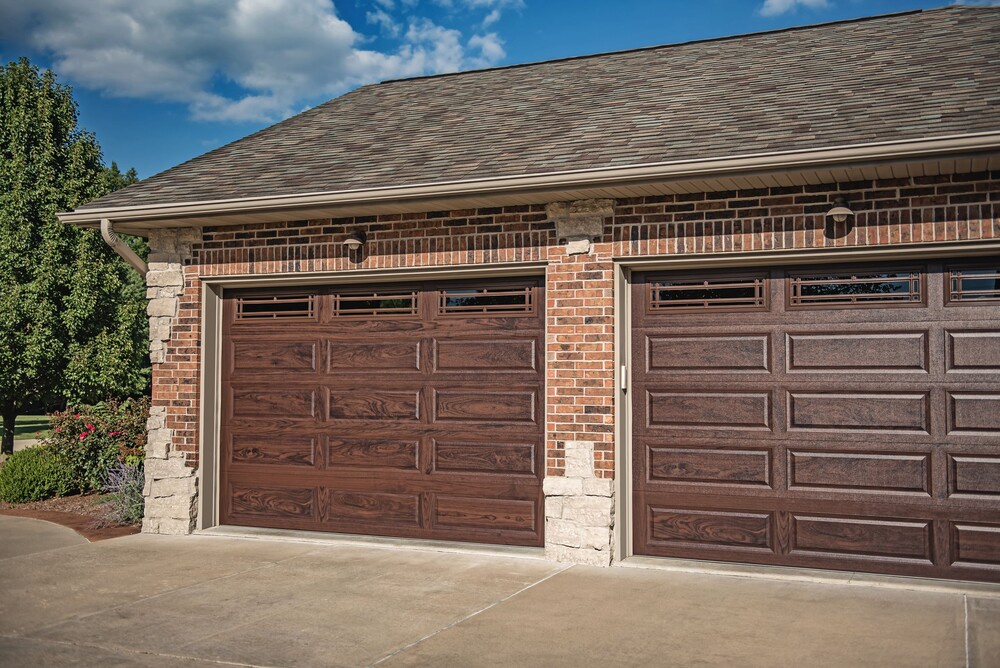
x: 403, y: 421
x: 819, y: 434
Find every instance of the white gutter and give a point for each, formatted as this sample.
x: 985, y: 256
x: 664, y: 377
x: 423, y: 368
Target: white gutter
x: 605, y: 176
x: 120, y: 247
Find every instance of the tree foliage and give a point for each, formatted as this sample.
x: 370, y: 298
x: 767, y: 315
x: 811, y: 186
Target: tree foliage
x: 71, y: 311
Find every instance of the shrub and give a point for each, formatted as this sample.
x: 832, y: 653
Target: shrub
x: 93, y: 439
x: 124, y: 482
x: 34, y: 474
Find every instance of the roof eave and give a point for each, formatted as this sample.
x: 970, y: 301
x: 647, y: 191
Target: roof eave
x: 147, y: 216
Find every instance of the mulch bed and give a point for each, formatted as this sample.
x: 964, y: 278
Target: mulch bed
x: 81, y: 513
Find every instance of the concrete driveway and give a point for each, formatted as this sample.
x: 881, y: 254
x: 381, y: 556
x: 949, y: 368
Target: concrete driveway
x: 203, y: 600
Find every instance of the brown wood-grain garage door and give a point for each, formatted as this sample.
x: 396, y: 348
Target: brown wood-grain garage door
x: 832, y: 417
x: 409, y: 410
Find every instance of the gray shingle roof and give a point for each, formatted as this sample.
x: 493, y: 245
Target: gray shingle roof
x: 897, y: 77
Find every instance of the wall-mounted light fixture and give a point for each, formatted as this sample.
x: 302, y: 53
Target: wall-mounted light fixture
x: 840, y: 213
x: 355, y: 241
x: 839, y: 220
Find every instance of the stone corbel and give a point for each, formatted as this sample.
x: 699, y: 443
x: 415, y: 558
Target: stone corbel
x: 580, y: 223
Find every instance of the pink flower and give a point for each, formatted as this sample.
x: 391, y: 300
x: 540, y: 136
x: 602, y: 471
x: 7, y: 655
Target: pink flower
x: 58, y: 428
x: 90, y: 426
x: 114, y: 433
x: 83, y: 436
x: 77, y: 415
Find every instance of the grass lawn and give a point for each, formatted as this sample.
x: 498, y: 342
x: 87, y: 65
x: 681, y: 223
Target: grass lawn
x: 27, y: 425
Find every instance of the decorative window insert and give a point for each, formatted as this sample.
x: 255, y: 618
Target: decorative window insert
x: 370, y: 304
x: 728, y: 293
x: 273, y: 307
x: 856, y: 289
x: 974, y: 284
x: 494, y: 300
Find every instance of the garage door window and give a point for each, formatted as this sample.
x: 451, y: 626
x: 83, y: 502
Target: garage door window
x: 856, y: 289
x: 506, y: 300
x: 690, y: 293
x: 276, y: 306
x: 977, y: 284
x: 374, y: 304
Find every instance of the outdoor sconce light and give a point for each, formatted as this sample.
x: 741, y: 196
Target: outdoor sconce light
x: 839, y: 213
x: 838, y: 220
x: 355, y: 241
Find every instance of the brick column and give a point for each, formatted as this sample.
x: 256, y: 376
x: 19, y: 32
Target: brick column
x: 171, y: 488
x: 580, y: 359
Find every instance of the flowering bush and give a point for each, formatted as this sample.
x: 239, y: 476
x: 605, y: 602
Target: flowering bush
x: 93, y: 439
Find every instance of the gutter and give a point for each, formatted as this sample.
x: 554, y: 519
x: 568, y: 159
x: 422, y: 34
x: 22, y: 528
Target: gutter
x: 982, y: 142
x: 120, y: 247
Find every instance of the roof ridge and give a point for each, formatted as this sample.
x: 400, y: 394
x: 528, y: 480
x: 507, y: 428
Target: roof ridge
x: 809, y: 26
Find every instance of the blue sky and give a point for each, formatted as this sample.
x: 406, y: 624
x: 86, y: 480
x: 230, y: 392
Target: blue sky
x: 162, y: 82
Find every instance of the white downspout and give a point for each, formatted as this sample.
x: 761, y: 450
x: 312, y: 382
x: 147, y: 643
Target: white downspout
x: 120, y: 247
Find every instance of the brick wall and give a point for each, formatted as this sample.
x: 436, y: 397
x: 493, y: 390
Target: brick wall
x: 580, y: 355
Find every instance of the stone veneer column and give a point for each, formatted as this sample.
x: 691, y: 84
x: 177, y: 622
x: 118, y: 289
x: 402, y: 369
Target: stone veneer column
x: 579, y: 483
x: 579, y: 510
x: 171, y: 489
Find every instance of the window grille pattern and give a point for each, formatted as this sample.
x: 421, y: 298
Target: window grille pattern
x: 717, y: 293
x: 856, y: 289
x: 498, y: 300
x: 276, y: 306
x: 974, y: 284
x: 368, y: 304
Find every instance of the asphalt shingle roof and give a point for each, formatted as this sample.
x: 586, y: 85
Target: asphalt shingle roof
x: 896, y: 77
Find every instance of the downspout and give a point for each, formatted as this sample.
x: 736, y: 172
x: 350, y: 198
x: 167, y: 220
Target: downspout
x: 120, y: 247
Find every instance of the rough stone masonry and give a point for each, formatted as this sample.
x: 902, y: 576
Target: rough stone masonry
x: 171, y: 488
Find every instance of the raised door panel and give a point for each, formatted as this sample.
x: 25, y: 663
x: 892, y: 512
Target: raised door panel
x: 710, y: 528
x: 835, y: 411
x: 706, y: 465
x: 482, y: 405
x: 705, y: 353
x: 485, y: 355
x: 867, y: 352
x: 492, y: 458
x: 373, y: 453
x: 273, y: 357
x: 365, y: 404
x: 674, y: 409
x: 900, y: 539
x: 973, y: 351
x: 371, y: 357
x: 860, y: 471
x: 277, y: 450
x: 295, y: 503
x: 484, y: 514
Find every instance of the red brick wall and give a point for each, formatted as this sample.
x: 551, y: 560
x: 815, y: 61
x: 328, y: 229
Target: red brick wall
x: 579, y: 349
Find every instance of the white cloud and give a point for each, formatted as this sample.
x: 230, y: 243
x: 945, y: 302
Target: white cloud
x: 777, y: 7
x: 231, y: 60
x: 490, y: 48
x: 385, y: 22
x: 495, y: 8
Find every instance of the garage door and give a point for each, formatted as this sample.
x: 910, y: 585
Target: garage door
x: 406, y: 410
x: 829, y: 417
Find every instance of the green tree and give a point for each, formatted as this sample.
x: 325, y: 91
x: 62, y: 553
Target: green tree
x: 71, y: 311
